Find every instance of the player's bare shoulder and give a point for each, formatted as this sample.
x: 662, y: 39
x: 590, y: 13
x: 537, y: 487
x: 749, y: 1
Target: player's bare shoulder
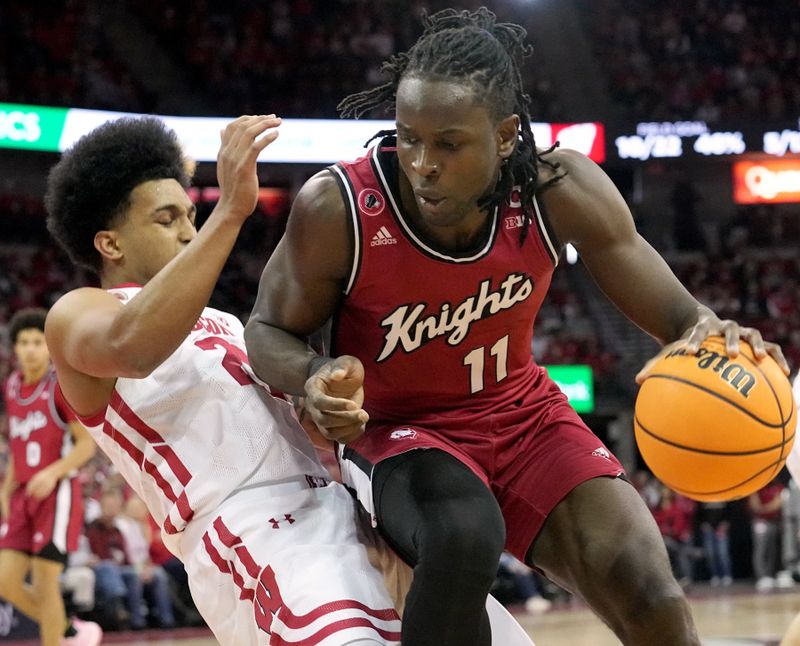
x: 319, y: 200
x: 579, y: 196
x: 78, y: 303
x: 564, y: 168
x: 319, y: 228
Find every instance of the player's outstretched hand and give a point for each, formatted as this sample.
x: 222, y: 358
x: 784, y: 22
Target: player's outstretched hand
x: 711, y: 325
x: 335, y: 397
x: 242, y: 142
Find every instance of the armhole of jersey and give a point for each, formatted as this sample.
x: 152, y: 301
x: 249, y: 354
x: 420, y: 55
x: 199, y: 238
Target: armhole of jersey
x: 545, y: 232
x: 349, y: 197
x: 54, y: 412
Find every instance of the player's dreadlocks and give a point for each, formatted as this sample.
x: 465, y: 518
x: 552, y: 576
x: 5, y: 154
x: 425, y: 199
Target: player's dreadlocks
x: 472, y: 47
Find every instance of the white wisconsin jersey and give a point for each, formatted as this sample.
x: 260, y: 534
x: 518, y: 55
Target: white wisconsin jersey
x: 793, y: 462
x: 200, y: 427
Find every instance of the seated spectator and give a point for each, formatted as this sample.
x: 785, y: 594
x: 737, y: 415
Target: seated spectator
x: 715, y: 527
x: 78, y: 580
x: 524, y: 584
x: 765, y: 508
x: 135, y: 528
x: 117, y: 584
x: 675, y: 516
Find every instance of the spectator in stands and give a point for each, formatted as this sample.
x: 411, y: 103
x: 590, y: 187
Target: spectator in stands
x: 525, y: 583
x: 675, y: 517
x: 135, y: 528
x: 765, y: 508
x: 715, y: 528
x: 118, y: 586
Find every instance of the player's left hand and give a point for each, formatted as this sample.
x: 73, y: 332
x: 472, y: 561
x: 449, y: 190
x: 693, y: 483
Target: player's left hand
x: 335, y: 397
x: 42, y: 484
x: 710, y: 324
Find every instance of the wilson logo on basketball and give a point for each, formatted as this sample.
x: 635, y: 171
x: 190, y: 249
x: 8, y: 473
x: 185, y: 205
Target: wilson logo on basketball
x: 734, y: 374
x: 370, y: 201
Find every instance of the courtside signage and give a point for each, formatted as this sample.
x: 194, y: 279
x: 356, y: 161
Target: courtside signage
x: 769, y: 181
x: 31, y: 127
x: 577, y: 383
x: 304, y: 141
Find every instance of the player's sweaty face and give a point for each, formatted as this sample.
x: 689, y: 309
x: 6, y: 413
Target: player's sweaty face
x: 447, y: 146
x: 158, y: 225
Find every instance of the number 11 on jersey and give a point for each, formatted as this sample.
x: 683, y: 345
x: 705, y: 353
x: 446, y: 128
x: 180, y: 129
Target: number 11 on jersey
x: 476, y: 360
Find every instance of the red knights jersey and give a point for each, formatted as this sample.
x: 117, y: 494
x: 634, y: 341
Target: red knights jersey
x: 437, y: 330
x: 38, y: 424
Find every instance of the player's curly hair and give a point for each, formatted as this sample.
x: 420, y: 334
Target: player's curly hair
x: 29, y: 318
x: 474, y: 49
x: 92, y: 183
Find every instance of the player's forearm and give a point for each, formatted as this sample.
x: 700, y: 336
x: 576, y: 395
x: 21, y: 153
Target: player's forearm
x: 82, y: 451
x: 151, y: 327
x: 278, y: 357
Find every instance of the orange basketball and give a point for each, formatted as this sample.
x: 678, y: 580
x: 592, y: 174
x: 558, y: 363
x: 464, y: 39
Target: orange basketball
x: 713, y: 427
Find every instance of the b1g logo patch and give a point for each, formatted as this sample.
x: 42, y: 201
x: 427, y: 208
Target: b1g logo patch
x: 403, y: 434
x: 515, y: 221
x: 371, y: 202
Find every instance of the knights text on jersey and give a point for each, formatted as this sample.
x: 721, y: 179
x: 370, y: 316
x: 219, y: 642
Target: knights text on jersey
x: 437, y: 330
x: 200, y: 426
x: 38, y: 426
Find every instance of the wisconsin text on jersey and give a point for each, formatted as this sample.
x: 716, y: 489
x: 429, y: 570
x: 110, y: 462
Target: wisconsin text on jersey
x: 409, y: 331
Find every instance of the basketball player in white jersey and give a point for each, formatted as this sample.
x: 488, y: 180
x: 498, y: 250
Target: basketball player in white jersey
x: 163, y: 384
x: 792, y: 637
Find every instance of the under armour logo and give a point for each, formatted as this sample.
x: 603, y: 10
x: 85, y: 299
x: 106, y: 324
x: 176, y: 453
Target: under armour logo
x: 276, y: 523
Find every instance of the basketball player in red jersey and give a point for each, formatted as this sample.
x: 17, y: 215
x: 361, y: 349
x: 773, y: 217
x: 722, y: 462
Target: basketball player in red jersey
x: 272, y: 549
x: 433, y: 254
x: 41, y: 502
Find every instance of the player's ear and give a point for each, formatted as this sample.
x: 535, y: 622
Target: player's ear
x: 507, y: 134
x: 107, y: 244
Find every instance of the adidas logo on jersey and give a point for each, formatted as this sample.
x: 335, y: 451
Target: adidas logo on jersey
x: 601, y: 453
x: 383, y: 237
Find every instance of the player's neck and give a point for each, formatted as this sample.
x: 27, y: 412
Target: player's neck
x: 34, y: 376
x: 112, y: 277
x: 468, y: 233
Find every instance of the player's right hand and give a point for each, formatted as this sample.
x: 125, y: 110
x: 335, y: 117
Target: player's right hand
x: 335, y: 398
x: 242, y: 142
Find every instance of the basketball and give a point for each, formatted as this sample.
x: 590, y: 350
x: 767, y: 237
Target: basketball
x: 712, y: 427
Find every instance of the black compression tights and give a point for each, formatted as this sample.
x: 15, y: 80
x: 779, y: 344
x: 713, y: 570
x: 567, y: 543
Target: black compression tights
x: 444, y: 521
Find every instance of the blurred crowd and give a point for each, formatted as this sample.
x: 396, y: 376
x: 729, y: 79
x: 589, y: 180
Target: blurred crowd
x: 702, y: 538
x: 57, y: 53
x: 238, y: 56
x: 707, y: 60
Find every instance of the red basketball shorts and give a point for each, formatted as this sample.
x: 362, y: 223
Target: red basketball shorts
x: 33, y: 525
x: 531, y: 454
